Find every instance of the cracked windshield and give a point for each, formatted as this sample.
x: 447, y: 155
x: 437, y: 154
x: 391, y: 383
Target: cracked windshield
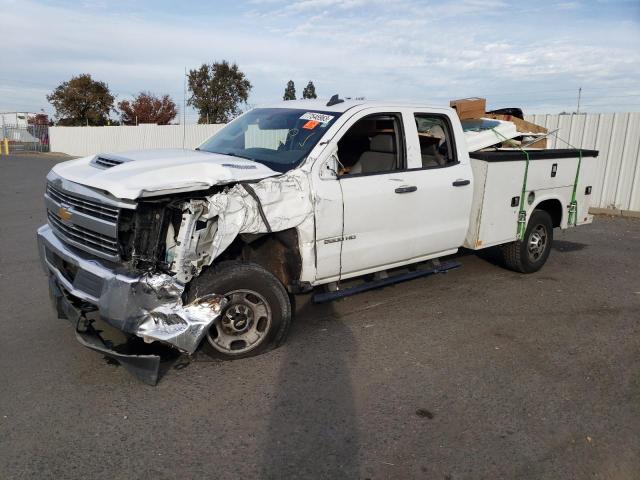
x: 279, y: 138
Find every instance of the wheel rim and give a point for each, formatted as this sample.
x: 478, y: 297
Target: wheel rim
x: 537, y: 244
x: 243, y: 324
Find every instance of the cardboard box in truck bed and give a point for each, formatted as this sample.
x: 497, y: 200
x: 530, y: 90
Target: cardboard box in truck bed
x: 469, y: 108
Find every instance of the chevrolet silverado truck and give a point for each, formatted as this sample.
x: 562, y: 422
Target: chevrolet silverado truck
x: 203, y: 249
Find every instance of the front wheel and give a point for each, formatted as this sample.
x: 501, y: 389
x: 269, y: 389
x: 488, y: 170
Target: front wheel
x: 530, y: 254
x: 257, y: 315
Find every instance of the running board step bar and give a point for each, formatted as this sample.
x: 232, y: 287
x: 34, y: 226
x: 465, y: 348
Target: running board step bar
x: 438, y: 267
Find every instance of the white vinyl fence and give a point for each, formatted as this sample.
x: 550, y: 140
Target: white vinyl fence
x: 82, y: 141
x: 615, y: 135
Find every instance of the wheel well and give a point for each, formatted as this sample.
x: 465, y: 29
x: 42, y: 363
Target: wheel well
x: 554, y: 208
x: 276, y: 252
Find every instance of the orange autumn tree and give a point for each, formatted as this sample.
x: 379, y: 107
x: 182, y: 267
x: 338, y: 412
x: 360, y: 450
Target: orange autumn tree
x: 147, y: 108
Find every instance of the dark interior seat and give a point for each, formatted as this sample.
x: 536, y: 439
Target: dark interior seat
x: 381, y: 156
x: 431, y: 147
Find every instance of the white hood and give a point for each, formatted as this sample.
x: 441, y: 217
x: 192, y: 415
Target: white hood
x: 153, y: 172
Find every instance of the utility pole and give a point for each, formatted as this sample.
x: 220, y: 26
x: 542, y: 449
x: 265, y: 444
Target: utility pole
x: 579, y: 95
x: 184, y: 108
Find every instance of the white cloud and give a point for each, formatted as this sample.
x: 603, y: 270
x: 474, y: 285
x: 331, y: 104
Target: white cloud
x: 395, y: 49
x: 568, y: 5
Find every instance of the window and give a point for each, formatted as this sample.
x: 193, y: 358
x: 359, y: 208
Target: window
x: 436, y: 146
x: 280, y: 138
x: 372, y: 145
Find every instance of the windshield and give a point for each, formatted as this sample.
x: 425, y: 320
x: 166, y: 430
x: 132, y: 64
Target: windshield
x: 280, y: 138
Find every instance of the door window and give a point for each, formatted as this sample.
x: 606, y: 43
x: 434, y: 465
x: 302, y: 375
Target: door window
x: 436, y: 145
x: 372, y: 145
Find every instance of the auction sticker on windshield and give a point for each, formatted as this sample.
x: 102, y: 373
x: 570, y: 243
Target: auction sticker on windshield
x: 318, y: 117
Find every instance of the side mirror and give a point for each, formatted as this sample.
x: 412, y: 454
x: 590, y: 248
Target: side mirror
x: 329, y: 168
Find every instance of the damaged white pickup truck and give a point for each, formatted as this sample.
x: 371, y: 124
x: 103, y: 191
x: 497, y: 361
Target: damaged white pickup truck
x: 202, y: 248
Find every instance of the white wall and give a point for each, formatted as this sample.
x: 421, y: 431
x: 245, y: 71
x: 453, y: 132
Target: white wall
x: 82, y: 141
x: 615, y: 135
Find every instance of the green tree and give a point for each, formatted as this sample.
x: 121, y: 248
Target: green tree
x: 309, y: 91
x: 147, y: 108
x: 290, y: 91
x: 82, y: 101
x: 217, y: 91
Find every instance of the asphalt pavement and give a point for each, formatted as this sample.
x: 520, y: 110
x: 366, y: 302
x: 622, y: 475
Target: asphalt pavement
x: 478, y: 373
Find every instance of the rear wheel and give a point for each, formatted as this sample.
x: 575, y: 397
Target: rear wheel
x: 256, y: 317
x: 530, y: 254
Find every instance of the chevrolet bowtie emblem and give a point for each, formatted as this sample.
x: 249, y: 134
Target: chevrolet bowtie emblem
x: 64, y: 214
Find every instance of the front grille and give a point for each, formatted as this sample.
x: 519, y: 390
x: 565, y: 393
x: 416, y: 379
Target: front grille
x: 84, y: 220
x: 103, y: 162
x: 90, y: 207
x: 81, y: 236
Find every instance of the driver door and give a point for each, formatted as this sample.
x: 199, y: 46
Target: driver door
x: 377, y: 192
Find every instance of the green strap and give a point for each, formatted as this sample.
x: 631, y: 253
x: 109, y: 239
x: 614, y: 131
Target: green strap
x: 522, y: 213
x: 573, y: 206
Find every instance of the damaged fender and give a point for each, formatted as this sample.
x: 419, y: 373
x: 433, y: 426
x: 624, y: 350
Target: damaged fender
x: 153, y: 309
x: 182, y: 326
x: 210, y: 225
x: 207, y: 228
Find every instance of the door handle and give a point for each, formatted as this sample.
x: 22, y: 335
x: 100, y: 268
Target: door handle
x: 406, y: 189
x: 461, y: 183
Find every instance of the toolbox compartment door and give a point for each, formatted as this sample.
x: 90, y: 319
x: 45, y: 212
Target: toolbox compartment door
x: 499, y: 177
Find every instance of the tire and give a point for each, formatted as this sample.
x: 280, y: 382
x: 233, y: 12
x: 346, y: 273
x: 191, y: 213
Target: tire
x: 531, y: 254
x: 257, y: 316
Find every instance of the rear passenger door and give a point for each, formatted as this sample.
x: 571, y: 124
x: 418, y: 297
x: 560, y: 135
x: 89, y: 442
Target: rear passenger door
x: 441, y: 171
x: 406, y: 189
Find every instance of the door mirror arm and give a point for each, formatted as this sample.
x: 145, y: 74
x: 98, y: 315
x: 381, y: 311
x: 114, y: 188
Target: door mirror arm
x: 338, y: 162
x: 328, y: 170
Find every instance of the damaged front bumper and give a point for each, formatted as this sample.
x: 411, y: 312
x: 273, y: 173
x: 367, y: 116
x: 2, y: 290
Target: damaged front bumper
x: 149, y: 305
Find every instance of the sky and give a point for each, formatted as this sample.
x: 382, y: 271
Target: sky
x: 534, y: 54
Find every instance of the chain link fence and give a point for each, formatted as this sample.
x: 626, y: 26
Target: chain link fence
x: 29, y: 138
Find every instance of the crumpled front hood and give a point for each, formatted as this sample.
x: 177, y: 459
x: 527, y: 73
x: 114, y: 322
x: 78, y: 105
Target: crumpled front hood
x: 154, y: 172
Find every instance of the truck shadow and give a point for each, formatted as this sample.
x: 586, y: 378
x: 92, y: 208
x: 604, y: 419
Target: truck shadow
x: 493, y: 256
x: 566, y: 246
x: 312, y: 431
x: 490, y: 255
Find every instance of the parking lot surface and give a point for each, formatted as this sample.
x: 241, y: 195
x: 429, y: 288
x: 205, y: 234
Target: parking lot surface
x: 479, y: 373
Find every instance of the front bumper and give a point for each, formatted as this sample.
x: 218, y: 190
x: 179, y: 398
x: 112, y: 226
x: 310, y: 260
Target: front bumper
x: 144, y: 367
x: 147, y: 305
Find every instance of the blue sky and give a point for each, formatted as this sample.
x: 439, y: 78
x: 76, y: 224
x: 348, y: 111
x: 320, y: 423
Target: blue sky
x: 529, y: 54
